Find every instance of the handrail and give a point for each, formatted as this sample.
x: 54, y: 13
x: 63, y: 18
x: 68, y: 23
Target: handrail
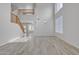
x: 15, y: 19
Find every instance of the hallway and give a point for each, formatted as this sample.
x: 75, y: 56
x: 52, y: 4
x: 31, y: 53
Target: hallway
x: 39, y: 46
x: 39, y: 29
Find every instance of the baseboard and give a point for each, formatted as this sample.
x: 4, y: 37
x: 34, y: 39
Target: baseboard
x: 3, y: 43
x: 43, y: 36
x: 62, y: 38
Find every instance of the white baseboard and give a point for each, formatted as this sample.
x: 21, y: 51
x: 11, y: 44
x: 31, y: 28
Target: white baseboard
x: 61, y: 36
x: 3, y: 43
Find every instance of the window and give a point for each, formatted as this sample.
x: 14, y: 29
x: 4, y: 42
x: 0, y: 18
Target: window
x: 59, y: 25
x: 30, y: 28
x: 58, y: 6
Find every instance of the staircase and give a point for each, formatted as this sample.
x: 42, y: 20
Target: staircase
x: 22, y: 11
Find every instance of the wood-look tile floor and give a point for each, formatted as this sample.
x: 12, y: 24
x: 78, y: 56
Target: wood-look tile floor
x: 39, y: 46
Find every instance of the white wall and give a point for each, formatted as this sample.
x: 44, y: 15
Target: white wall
x: 44, y: 19
x: 71, y: 24
x: 8, y: 30
x: 44, y: 26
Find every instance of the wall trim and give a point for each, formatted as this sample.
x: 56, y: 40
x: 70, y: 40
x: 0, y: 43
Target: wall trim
x: 62, y: 38
x: 9, y: 41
